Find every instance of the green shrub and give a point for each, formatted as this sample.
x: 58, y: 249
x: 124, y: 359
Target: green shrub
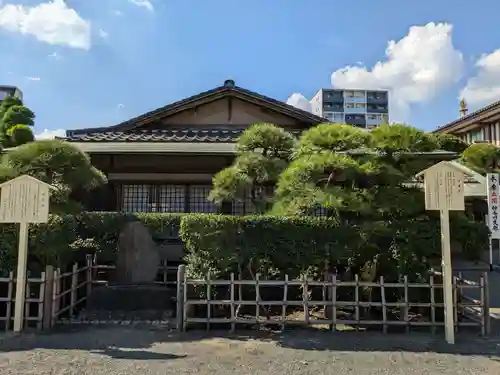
x: 58, y: 241
x: 274, y: 246
x: 271, y: 245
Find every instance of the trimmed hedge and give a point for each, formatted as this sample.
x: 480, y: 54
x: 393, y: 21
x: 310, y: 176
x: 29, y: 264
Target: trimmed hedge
x: 61, y: 240
x: 274, y: 246
x: 270, y: 245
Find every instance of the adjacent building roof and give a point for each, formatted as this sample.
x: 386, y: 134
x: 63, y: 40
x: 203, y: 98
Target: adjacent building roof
x: 486, y: 115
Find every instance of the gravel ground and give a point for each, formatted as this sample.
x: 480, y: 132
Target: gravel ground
x: 127, y: 350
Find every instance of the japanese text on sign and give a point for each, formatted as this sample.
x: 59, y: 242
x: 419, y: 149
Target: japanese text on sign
x: 493, y: 204
x: 444, y: 189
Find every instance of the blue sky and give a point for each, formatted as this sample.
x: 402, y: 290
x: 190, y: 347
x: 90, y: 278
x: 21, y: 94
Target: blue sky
x: 86, y: 63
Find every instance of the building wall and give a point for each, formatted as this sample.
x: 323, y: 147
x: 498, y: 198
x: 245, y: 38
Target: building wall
x: 361, y: 108
x: 485, y: 133
x: 228, y: 111
x: 10, y: 91
x: 317, y: 104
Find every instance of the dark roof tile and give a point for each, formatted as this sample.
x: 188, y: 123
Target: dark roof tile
x: 163, y: 135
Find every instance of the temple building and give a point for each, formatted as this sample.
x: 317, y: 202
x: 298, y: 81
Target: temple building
x: 482, y: 125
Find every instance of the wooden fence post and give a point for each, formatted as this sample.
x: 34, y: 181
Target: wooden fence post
x: 181, y: 271
x: 54, y: 298
x: 41, y: 295
x: 47, y: 297
x: 10, y: 300
x: 486, y: 303
x: 89, y: 264
x: 73, y: 293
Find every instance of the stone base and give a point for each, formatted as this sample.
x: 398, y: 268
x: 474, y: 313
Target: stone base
x: 128, y: 298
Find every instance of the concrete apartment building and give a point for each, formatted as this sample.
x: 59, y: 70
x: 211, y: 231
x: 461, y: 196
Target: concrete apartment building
x: 6, y: 91
x: 362, y: 108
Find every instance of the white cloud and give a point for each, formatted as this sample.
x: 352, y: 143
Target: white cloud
x: 120, y: 106
x: 484, y: 87
x: 103, y: 34
x: 299, y: 101
x: 416, y: 68
x: 118, y: 13
x: 32, y: 78
x: 51, y: 22
x: 143, y: 3
x: 51, y: 134
x: 55, y: 56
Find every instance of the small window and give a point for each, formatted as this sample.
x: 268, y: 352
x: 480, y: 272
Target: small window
x: 477, y: 136
x: 349, y: 105
x: 360, y: 105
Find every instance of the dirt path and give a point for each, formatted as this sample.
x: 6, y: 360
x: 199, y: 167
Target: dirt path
x: 124, y: 351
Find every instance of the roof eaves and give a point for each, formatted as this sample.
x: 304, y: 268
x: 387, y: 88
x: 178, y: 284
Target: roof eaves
x: 467, y: 117
x: 132, y: 123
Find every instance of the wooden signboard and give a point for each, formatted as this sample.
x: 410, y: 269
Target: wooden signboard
x: 23, y: 200
x: 444, y: 192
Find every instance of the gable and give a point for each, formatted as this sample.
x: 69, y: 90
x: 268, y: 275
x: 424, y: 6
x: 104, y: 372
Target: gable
x: 225, y: 111
x: 223, y: 105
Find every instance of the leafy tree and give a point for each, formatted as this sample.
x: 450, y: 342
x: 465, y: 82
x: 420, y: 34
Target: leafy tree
x: 397, y: 138
x: 16, y: 121
x: 359, y: 179
x: 449, y: 142
x: 482, y: 157
x: 20, y: 134
x: 263, y: 152
x: 354, y: 174
x: 58, y: 163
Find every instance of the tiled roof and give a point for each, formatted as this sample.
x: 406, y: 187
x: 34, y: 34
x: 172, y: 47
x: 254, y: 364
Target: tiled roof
x: 228, y: 89
x: 160, y: 135
x: 460, y: 120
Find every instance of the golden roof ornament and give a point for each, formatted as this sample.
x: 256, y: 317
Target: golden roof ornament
x: 463, y: 108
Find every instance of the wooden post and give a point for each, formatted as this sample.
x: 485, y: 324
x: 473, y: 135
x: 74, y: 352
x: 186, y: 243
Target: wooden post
x: 284, y: 305
x: 89, y: 264
x: 10, y: 293
x: 74, y: 291
x: 209, y: 298
x: 483, y: 309
x: 433, y: 304
x: 486, y: 303
x: 41, y: 295
x: 457, y: 291
x: 47, y: 297
x: 53, y: 299
x: 334, y: 302
x: 356, y: 299
x: 384, y: 304
x: 27, y: 303
x: 407, y: 304
x: 257, y: 298
x: 185, y: 299
x: 447, y: 277
x: 233, y: 315
x: 305, y: 299
x: 181, y: 271
x: 21, y: 277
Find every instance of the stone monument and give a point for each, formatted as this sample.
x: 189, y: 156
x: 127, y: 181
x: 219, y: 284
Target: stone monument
x: 138, y: 257
x: 132, y: 293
